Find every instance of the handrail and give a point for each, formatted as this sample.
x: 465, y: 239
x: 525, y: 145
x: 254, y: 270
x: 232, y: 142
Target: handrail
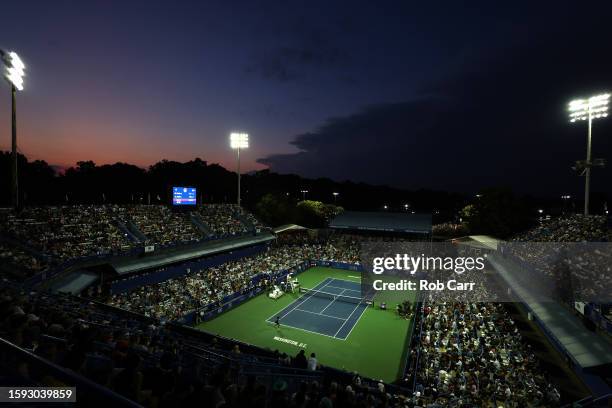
x: 418, y: 356
x: 106, y: 396
x: 590, y: 401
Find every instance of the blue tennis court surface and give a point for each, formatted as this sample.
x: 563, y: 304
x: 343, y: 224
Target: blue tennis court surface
x: 325, y: 315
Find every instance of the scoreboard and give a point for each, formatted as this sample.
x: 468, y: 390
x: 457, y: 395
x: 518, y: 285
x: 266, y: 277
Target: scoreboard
x: 184, y: 196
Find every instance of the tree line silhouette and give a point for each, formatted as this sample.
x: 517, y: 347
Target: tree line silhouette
x: 123, y: 183
x: 275, y: 197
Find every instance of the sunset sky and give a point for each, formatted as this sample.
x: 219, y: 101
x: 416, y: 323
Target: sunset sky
x: 368, y: 91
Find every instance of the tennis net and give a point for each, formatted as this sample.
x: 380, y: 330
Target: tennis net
x: 336, y: 297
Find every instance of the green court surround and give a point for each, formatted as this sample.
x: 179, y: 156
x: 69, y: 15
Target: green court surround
x: 375, y: 347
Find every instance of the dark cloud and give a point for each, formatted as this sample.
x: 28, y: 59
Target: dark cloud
x: 501, y: 120
x: 308, y: 49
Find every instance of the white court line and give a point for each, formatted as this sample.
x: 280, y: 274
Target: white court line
x: 299, y: 301
x: 362, y: 312
x: 338, y: 287
x: 348, y: 318
x: 332, y: 302
x: 313, y: 332
x: 344, y: 289
x: 355, y: 325
x: 319, y: 314
x: 344, y: 280
x: 306, y: 297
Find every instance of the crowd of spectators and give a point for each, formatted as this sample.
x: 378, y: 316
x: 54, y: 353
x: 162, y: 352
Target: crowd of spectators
x: 20, y: 261
x: 473, y: 353
x: 572, y: 254
x: 174, y: 298
x: 162, y: 226
x: 470, y: 352
x: 449, y: 230
x: 222, y: 219
x: 251, y: 220
x: 155, y: 365
x: 573, y: 228
x: 66, y: 232
x: 78, y: 231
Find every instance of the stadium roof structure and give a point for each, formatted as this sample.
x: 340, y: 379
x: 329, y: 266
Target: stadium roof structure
x: 586, y: 348
x: 383, y: 221
x: 184, y: 253
x: 75, y: 282
x: 288, y: 227
x: 478, y: 241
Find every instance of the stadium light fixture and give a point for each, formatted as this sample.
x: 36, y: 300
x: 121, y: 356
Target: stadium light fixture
x: 13, y: 73
x: 15, y: 69
x: 239, y: 141
x: 595, y: 107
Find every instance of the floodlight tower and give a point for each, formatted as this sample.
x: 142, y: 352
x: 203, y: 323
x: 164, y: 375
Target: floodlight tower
x: 14, y: 74
x: 239, y: 141
x: 594, y: 107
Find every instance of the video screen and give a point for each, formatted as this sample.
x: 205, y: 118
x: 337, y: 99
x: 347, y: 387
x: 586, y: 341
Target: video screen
x: 184, y: 196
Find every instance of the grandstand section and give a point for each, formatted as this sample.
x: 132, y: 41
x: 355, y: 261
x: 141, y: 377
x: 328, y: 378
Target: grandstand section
x: 210, y: 307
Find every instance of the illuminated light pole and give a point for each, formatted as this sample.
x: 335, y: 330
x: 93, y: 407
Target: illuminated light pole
x: 304, y: 192
x: 335, y: 194
x: 14, y: 73
x: 594, y: 107
x: 239, y: 141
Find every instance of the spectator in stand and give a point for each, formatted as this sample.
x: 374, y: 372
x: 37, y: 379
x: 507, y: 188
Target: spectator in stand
x: 300, y: 360
x: 312, y: 362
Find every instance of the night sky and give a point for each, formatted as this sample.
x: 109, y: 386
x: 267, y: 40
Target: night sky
x: 410, y: 94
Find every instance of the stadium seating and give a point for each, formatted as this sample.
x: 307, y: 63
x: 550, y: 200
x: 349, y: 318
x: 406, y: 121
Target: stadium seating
x: 158, y: 365
x: 465, y: 353
x: 63, y: 233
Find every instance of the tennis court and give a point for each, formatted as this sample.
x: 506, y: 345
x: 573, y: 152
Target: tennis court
x: 372, y: 341
x: 332, y: 309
